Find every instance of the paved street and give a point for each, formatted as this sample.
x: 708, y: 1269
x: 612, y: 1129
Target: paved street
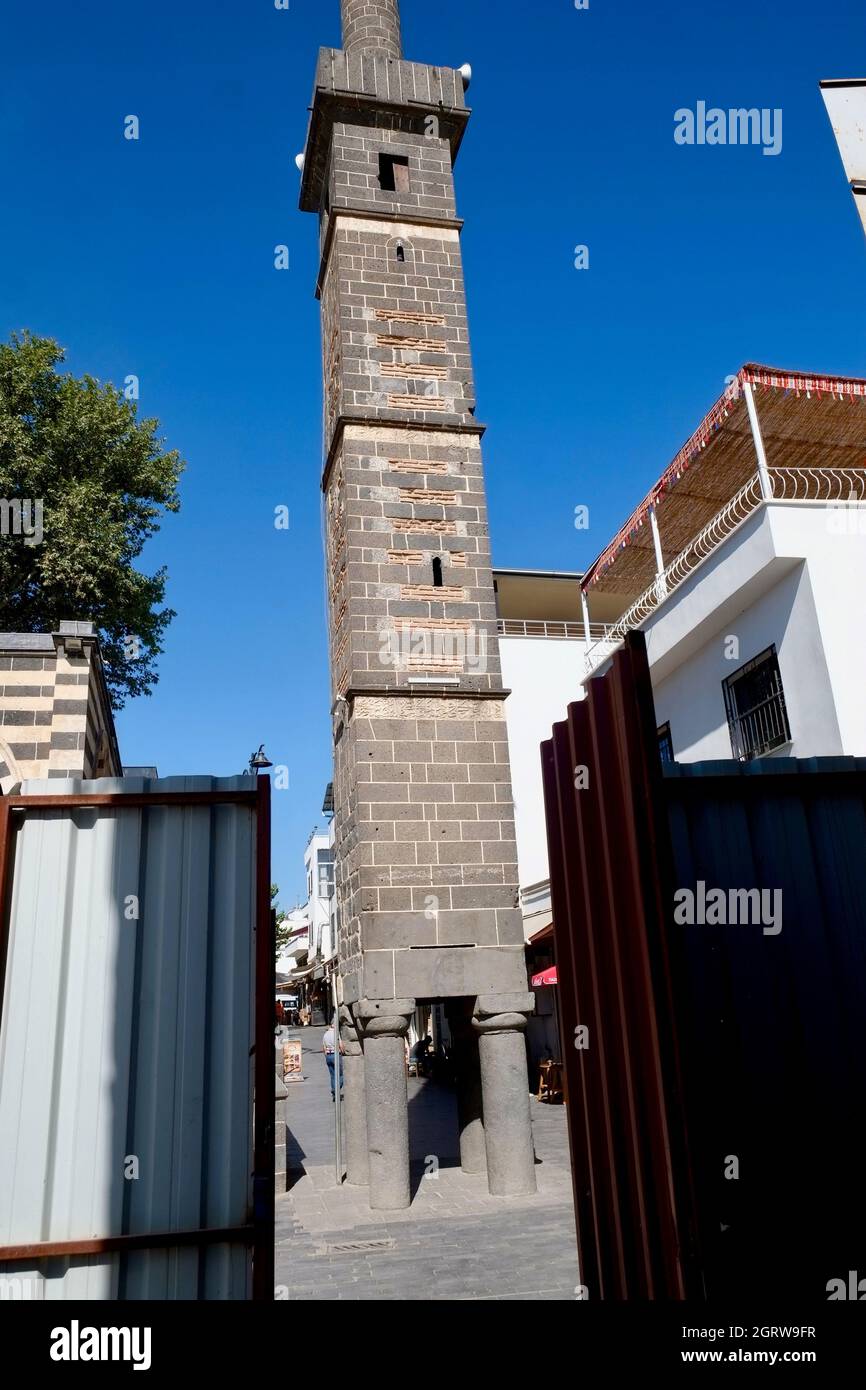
x: 455, y: 1241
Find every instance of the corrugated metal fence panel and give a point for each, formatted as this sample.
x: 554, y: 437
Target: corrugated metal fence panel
x: 634, y: 1216
x: 130, y: 1038
x: 715, y: 1106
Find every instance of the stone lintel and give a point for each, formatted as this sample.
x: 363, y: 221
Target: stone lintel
x: 447, y: 972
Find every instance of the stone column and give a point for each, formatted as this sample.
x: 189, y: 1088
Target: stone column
x: 372, y: 25
x: 470, y: 1115
x: 384, y: 1024
x: 500, y: 1022
x: 354, y: 1102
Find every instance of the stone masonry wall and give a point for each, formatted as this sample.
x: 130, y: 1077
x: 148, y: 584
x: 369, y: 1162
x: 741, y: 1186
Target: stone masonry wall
x: 397, y: 499
x: 55, y: 720
x: 424, y: 818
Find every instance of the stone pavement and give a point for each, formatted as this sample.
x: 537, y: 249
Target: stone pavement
x: 455, y: 1242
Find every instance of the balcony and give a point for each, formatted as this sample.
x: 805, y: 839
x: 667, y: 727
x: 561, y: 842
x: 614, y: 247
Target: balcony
x: 842, y: 486
x: 801, y: 440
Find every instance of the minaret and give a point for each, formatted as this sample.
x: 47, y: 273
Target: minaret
x: 372, y: 24
x: 426, y: 856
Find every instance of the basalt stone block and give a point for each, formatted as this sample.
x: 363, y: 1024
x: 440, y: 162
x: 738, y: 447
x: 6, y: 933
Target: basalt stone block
x: 451, y: 971
x: 389, y: 930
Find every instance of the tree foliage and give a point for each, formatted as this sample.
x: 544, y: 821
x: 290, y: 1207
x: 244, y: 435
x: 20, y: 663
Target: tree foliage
x: 283, y: 925
x: 104, y: 480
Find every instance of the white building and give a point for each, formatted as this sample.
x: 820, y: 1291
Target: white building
x: 745, y: 567
x: 294, y: 954
x: 846, y: 106
x: 309, y: 956
x: 319, y: 866
x: 542, y: 647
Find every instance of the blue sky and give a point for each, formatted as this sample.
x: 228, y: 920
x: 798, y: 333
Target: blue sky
x: 155, y: 258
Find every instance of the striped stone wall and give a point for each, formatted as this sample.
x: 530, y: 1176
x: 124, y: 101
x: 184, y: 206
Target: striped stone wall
x: 55, y: 714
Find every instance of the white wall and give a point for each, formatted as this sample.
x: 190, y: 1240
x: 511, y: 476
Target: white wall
x: 784, y: 579
x: 318, y: 906
x: 834, y: 542
x: 544, y: 676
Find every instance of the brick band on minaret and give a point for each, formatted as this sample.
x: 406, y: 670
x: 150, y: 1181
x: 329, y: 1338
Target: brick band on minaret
x: 372, y: 24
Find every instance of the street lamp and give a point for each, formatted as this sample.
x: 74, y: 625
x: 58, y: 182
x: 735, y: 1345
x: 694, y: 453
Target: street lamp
x: 259, y: 761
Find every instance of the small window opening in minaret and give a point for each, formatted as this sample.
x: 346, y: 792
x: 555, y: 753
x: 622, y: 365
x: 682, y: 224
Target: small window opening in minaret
x: 401, y: 252
x: 393, y: 173
x: 437, y: 573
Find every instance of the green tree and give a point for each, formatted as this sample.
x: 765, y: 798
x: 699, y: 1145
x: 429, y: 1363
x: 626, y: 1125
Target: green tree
x: 76, y: 448
x: 283, y: 932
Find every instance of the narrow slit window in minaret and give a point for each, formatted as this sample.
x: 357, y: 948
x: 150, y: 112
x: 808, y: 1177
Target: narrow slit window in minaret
x: 401, y: 252
x: 437, y: 573
x: 393, y: 173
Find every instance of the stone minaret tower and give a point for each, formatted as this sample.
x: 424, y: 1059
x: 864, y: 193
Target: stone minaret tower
x: 426, y: 855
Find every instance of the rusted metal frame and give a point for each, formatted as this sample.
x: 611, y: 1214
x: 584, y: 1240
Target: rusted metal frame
x: 625, y: 1114
x: 144, y: 1240
x: 594, y: 899
x: 559, y: 792
x: 615, y: 885
x: 650, y: 854
x: 265, y: 1099
x: 130, y: 800
x: 640, y: 1071
x: 590, y: 1072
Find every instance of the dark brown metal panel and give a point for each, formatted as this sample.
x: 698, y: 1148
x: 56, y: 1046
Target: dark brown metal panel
x: 608, y: 890
x: 707, y: 1042
x: 573, y: 1011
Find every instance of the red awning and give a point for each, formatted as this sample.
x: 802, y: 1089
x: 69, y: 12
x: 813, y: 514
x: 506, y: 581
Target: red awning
x: 547, y: 977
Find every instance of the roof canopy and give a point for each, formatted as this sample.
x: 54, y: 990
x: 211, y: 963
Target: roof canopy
x: 807, y: 422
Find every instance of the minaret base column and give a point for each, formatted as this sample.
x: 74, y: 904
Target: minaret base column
x: 500, y: 1025
x: 470, y: 1110
x: 384, y: 1025
x: 354, y: 1103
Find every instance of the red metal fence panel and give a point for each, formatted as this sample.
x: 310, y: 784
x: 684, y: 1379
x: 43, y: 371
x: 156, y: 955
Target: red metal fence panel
x: 714, y: 1071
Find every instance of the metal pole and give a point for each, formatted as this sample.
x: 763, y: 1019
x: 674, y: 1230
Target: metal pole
x: 660, y: 559
x: 338, y: 1087
x: 587, y: 630
x: 763, y: 467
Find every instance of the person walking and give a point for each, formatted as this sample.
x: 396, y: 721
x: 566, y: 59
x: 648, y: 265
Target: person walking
x: 329, y: 1048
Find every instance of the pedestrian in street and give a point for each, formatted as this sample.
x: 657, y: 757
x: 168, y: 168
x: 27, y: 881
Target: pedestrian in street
x: 328, y: 1047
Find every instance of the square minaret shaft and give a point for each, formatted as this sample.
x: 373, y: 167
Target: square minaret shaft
x: 426, y: 853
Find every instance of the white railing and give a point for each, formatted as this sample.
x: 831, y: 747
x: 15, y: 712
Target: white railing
x: 537, y: 627
x: 818, y: 484
x: 788, y: 485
